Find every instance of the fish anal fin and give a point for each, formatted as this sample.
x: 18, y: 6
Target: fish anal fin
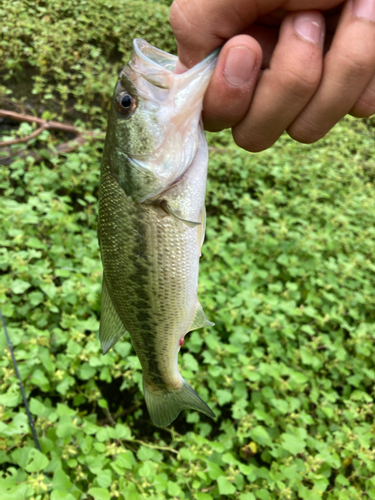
x: 170, y: 211
x: 111, y: 327
x: 200, y: 320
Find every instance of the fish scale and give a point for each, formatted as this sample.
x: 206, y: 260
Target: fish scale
x: 150, y: 242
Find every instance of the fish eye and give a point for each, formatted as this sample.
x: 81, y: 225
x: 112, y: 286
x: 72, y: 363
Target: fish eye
x: 125, y: 103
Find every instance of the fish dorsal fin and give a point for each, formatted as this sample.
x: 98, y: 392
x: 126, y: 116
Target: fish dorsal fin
x: 201, y: 230
x: 200, y: 320
x: 169, y: 210
x: 111, y: 327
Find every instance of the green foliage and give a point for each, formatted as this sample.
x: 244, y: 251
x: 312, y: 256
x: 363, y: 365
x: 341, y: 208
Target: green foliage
x: 286, y: 274
x: 72, y: 51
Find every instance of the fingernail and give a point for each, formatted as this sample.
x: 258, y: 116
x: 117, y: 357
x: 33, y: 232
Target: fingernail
x: 309, y: 25
x: 239, y: 65
x: 364, y: 8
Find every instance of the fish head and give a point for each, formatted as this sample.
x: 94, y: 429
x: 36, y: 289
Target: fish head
x: 155, y: 120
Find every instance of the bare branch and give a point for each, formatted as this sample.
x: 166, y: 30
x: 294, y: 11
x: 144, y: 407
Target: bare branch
x: 66, y: 147
x: 23, y: 139
x: 17, y: 117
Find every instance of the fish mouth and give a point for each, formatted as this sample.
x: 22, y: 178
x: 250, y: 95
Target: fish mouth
x: 154, y: 56
x: 157, y: 67
x: 158, y: 58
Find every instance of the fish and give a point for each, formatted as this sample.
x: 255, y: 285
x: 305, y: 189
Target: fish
x: 152, y: 220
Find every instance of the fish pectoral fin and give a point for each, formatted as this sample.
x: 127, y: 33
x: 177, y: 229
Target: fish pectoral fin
x: 200, y: 320
x: 169, y: 210
x: 111, y: 327
x: 201, y: 230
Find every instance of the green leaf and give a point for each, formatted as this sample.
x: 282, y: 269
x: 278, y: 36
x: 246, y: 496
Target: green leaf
x: 86, y: 372
x: 35, y: 243
x: 225, y: 487
x: 61, y: 495
x: 145, y: 453
x: 223, y: 396
x: 65, y: 427
x: 20, y: 286
x: 19, y: 425
x: 61, y: 481
x: 213, y: 470
x: 103, y: 403
x: 49, y: 289
x: 124, y: 461
x: 263, y: 494
x: 10, y: 399
x: 104, y: 479
x: 260, y: 435
x: 36, y: 462
x: 203, y: 496
x: 342, y: 480
x: 131, y: 493
x: 292, y: 444
x: 38, y: 378
x: 281, y: 405
x: 247, y: 496
x: 99, y: 493
x: 173, y: 489
x: 36, y: 298
x: 121, y: 431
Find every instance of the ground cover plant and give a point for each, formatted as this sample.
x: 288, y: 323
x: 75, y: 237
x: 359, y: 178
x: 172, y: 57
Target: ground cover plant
x: 287, y: 274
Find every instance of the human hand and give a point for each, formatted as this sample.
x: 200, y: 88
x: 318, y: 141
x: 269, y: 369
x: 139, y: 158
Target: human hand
x: 281, y: 67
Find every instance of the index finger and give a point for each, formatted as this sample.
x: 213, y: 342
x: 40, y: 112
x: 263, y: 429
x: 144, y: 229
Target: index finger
x: 200, y: 26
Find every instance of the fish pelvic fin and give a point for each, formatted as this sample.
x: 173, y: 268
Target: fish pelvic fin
x: 111, y: 327
x: 200, y: 319
x: 164, y: 405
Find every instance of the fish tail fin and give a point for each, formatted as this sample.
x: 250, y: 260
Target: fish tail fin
x: 164, y: 405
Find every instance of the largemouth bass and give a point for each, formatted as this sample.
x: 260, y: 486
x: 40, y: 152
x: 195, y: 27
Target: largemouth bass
x: 152, y: 220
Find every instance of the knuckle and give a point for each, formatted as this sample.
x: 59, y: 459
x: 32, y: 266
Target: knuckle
x: 300, y: 84
x: 182, y: 23
x: 355, y: 63
x: 177, y: 16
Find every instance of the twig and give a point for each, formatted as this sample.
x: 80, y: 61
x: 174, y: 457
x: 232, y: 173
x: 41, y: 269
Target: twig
x: 31, y: 422
x: 109, y: 416
x: 67, y: 147
x: 154, y: 447
x: 23, y: 139
x: 121, y: 414
x: 18, y: 117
